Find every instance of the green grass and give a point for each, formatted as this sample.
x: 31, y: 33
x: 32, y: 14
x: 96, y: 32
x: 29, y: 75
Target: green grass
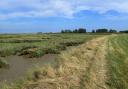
x: 3, y: 63
x: 118, y: 62
x: 17, y: 85
x: 36, y: 45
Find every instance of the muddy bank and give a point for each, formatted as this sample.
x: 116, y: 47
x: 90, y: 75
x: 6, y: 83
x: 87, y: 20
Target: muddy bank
x: 20, y: 65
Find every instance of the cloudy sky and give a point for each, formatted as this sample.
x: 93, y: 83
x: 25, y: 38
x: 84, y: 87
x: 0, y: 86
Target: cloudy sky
x: 54, y: 15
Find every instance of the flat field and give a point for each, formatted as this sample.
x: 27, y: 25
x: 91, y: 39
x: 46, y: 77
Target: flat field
x: 36, y: 45
x: 94, y: 62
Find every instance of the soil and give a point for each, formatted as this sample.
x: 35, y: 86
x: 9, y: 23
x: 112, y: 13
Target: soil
x: 18, y: 66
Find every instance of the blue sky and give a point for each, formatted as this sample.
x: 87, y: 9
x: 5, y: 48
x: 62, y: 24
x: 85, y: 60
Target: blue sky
x: 21, y: 16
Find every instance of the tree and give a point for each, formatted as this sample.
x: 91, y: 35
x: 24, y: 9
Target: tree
x: 66, y: 31
x: 75, y: 31
x: 39, y: 33
x: 62, y: 31
x: 104, y: 30
x: 125, y: 31
x: 93, y: 31
x: 81, y: 30
x: 112, y: 31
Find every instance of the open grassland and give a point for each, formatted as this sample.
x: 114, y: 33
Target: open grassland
x: 36, y: 45
x: 118, y: 62
x: 101, y: 63
x: 81, y: 67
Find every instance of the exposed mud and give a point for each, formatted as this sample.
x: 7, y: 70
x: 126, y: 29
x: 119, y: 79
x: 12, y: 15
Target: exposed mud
x: 18, y: 66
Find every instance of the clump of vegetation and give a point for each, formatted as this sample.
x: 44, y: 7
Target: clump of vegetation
x: 36, y: 53
x: 75, y: 43
x: 3, y: 63
x: 17, y: 85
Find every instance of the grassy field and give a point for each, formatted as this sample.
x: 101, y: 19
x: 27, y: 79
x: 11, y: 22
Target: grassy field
x: 118, y: 62
x: 100, y: 63
x: 36, y: 45
x: 72, y: 69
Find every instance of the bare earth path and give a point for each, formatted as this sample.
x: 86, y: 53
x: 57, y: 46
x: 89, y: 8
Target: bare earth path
x: 82, y: 67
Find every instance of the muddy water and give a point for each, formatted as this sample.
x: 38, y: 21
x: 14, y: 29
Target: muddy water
x: 20, y: 65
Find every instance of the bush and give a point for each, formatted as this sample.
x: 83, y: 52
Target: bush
x: 103, y: 30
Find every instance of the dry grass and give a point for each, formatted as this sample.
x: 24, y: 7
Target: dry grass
x: 82, y: 67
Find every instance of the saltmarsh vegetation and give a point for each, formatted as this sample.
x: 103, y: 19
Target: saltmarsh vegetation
x: 3, y: 63
x: 98, y: 64
x: 118, y: 62
x: 36, y: 45
x: 73, y: 69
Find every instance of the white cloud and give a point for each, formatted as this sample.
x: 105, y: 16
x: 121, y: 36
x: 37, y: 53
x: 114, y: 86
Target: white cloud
x: 59, y: 8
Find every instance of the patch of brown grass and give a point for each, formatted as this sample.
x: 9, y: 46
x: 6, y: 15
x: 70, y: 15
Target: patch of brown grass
x: 81, y: 67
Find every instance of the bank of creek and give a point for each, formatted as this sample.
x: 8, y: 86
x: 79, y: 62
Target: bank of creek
x: 18, y: 67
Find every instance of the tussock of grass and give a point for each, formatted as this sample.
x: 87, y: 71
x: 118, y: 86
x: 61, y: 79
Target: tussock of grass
x: 17, y: 85
x: 3, y: 63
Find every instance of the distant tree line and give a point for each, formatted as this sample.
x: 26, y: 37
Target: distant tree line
x: 125, y: 31
x: 108, y: 31
x: 104, y: 30
x: 80, y: 30
x: 83, y: 30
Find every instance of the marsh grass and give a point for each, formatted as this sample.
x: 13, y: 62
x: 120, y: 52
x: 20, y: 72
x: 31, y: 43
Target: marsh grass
x: 36, y: 45
x: 16, y: 85
x: 118, y: 62
x: 3, y: 63
x: 68, y: 72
